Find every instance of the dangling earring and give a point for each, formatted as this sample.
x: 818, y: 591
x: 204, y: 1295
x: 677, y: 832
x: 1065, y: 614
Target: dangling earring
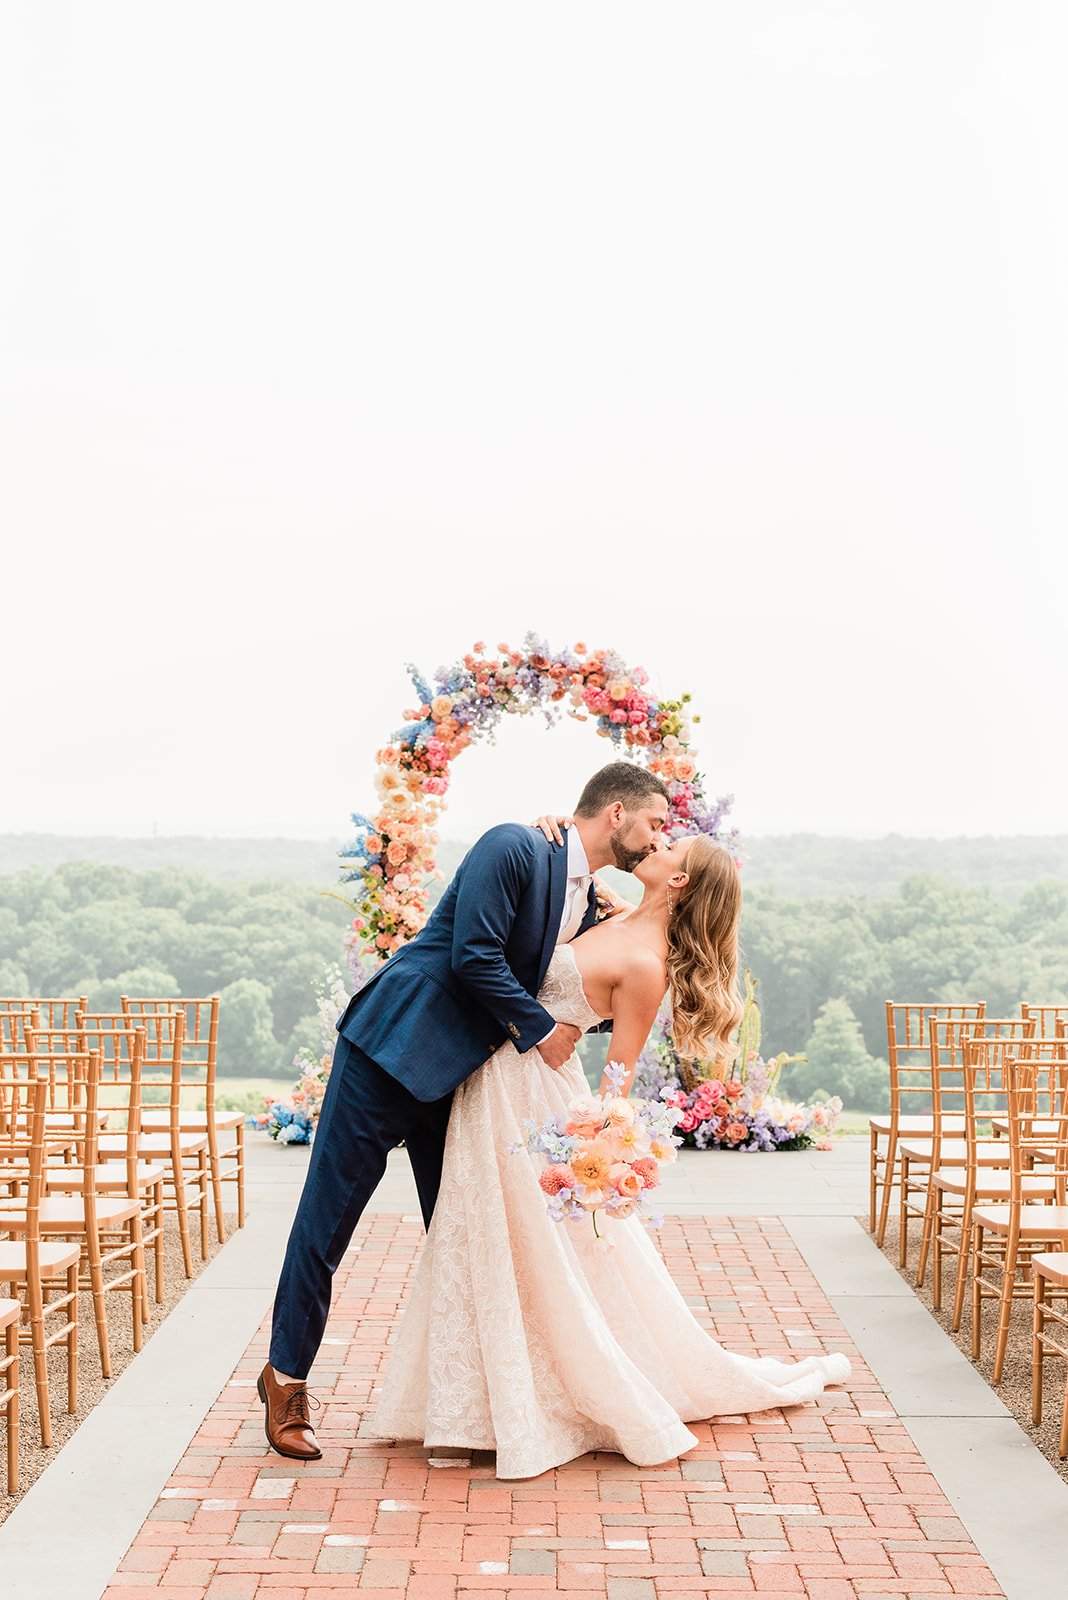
x: 671, y: 899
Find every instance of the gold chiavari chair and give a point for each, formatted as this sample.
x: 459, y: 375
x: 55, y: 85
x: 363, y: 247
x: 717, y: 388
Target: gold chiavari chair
x: 55, y: 1011
x: 107, y: 1227
x: 27, y: 1262
x: 10, y: 1312
x: 948, y: 1227
x: 1049, y: 1335
x: 1005, y: 1237
x: 13, y: 1025
x: 122, y: 1052
x: 183, y: 1155
x: 1047, y: 1019
x: 944, y: 1144
x: 225, y: 1129
x: 910, y: 1089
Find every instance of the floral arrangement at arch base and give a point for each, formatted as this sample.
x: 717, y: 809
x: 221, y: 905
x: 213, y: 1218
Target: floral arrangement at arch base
x: 736, y: 1112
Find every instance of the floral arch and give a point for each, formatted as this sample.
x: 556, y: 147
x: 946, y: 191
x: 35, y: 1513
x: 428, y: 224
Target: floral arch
x: 392, y: 857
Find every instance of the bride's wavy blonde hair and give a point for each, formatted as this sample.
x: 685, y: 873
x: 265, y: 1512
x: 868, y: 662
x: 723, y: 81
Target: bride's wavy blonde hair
x: 702, y: 958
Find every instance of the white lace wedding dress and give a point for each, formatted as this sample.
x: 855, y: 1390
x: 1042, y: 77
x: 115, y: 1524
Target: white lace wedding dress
x: 528, y: 1337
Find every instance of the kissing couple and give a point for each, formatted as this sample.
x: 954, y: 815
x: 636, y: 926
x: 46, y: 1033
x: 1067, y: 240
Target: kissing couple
x: 522, y: 1335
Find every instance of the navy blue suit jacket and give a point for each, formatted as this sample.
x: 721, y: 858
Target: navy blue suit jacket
x: 467, y: 982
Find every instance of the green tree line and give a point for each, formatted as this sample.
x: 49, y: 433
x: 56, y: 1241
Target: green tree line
x: 825, y: 966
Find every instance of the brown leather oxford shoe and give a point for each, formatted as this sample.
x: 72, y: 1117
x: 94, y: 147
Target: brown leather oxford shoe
x: 286, y: 1421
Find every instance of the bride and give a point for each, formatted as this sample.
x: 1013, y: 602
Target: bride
x: 531, y: 1337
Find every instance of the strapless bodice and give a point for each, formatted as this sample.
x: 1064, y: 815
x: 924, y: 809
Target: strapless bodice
x: 562, y: 993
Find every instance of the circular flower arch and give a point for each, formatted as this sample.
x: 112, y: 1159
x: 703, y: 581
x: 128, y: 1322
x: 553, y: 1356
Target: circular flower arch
x: 392, y: 857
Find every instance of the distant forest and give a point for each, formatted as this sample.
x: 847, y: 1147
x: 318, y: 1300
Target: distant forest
x: 801, y: 866
x: 831, y: 928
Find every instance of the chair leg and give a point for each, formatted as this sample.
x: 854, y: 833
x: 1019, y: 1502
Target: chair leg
x: 12, y: 1348
x: 178, y: 1178
x: 925, y: 1236
x: 138, y: 1282
x: 1063, y: 1445
x: 157, y: 1246
x: 35, y: 1297
x: 1008, y: 1282
x: 202, y: 1190
x: 1037, y: 1352
x: 216, y: 1186
x: 935, y: 1196
x: 100, y: 1316
x: 240, y: 1174
x: 72, y: 1340
x: 873, y: 1186
x: 962, y: 1264
x: 977, y: 1292
x: 903, y: 1231
x: 889, y: 1163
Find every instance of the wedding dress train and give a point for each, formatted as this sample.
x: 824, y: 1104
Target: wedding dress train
x: 531, y: 1338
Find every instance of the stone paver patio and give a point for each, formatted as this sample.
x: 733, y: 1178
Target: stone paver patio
x: 911, y: 1481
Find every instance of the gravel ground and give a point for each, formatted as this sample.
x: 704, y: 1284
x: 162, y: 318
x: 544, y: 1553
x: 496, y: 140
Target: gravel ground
x: 33, y: 1457
x: 1014, y: 1390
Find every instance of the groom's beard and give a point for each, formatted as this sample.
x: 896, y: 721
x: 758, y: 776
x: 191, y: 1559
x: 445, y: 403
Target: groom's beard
x: 625, y: 856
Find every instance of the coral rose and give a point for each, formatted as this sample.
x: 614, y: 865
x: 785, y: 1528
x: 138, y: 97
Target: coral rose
x: 736, y: 1132
x: 396, y: 854
x: 684, y: 768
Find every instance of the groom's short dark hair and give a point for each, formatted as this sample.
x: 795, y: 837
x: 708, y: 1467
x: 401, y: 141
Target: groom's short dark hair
x: 620, y: 780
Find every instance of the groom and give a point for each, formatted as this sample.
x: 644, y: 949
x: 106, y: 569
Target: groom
x: 421, y: 1025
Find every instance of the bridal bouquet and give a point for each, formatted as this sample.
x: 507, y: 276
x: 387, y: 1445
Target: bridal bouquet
x: 605, y: 1156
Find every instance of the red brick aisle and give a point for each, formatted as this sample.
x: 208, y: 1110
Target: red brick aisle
x: 830, y: 1501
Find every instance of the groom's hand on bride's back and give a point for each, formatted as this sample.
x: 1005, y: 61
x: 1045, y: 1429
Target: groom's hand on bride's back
x: 560, y: 1045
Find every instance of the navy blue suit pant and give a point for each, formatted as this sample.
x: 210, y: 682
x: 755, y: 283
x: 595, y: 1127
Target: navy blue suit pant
x: 365, y: 1114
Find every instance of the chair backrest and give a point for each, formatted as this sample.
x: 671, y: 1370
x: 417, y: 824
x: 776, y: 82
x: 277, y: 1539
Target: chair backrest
x: 56, y: 1011
x: 13, y: 1025
x: 80, y: 1068
x: 51, y: 1052
x: 200, y: 1041
x: 1037, y: 1075
x: 985, y: 1084
x: 163, y: 1056
x: 122, y: 1053
x: 1046, y: 1018
x: 23, y: 1104
x: 908, y: 1043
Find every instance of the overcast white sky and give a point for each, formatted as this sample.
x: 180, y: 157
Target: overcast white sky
x: 340, y: 334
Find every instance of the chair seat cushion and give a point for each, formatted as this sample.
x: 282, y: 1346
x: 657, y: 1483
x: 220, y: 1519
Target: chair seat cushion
x: 990, y: 1183
x: 914, y: 1125
x: 59, y: 1214
x: 1036, y: 1222
x: 154, y: 1144
x: 1052, y: 1264
x: 192, y: 1121
x: 54, y: 1258
x: 10, y: 1311
x: 954, y: 1152
x: 110, y: 1178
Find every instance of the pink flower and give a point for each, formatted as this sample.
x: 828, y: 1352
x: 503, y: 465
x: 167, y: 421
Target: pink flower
x: 648, y: 1170
x: 736, y: 1132
x: 684, y: 768
x: 436, y: 785
x: 625, y: 1181
x: 617, y: 716
x: 553, y: 1179
x: 688, y: 1121
x: 825, y: 1144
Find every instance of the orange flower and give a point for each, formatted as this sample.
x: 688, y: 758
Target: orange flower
x: 626, y: 1181
x: 590, y: 1165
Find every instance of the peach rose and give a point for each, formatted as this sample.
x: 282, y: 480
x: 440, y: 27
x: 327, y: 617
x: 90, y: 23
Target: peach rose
x: 684, y: 768
x: 620, y: 1112
x: 396, y: 854
x: 440, y: 707
x: 736, y: 1132
x: 625, y: 1181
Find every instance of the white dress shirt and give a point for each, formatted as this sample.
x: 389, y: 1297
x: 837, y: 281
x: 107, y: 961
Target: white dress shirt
x: 576, y: 896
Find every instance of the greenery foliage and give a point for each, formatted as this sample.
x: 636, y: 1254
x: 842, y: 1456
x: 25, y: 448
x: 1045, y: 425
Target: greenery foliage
x: 826, y: 966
